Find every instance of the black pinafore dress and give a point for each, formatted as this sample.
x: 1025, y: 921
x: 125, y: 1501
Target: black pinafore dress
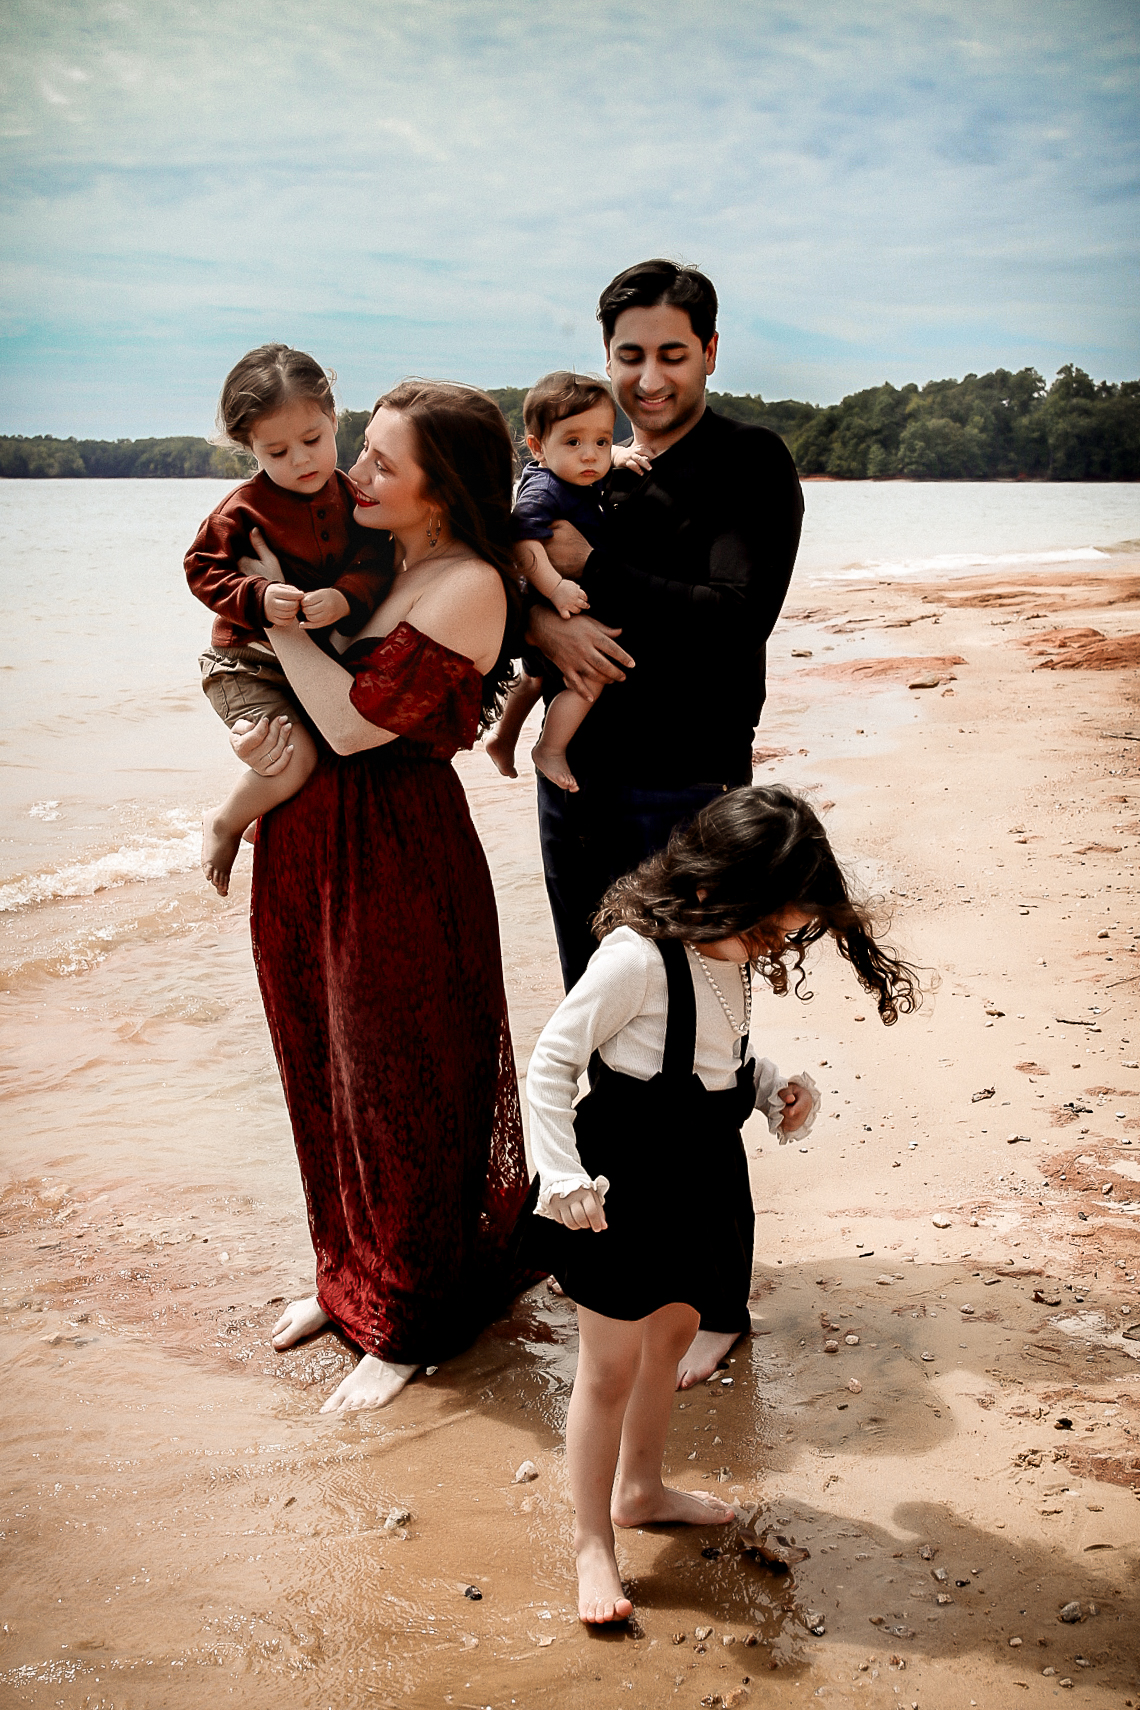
x: 679, y: 1207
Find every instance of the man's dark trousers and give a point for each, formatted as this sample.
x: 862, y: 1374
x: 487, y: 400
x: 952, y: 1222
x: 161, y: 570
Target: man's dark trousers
x: 590, y: 838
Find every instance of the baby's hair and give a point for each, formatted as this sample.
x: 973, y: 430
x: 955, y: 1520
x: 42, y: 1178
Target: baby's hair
x: 556, y: 396
x: 728, y: 873
x: 263, y: 381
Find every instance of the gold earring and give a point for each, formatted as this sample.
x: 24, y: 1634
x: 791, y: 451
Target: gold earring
x: 434, y: 529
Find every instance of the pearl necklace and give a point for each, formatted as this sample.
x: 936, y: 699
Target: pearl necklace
x: 739, y: 1028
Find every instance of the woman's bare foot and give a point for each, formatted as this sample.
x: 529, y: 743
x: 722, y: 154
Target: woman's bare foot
x: 374, y: 1383
x: 703, y: 1355
x: 551, y: 762
x: 219, y: 852
x: 503, y: 754
x: 300, y: 1318
x: 664, y: 1507
x: 600, y: 1594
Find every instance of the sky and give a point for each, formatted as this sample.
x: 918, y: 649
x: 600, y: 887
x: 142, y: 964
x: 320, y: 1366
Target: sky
x: 880, y: 189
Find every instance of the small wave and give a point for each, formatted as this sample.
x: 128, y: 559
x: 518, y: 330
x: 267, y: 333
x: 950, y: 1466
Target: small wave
x: 132, y: 863
x: 956, y: 563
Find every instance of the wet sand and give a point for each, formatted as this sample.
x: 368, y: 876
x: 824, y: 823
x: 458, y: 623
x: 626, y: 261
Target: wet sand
x: 182, y: 1528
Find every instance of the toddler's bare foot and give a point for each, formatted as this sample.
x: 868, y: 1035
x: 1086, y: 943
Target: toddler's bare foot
x: 374, y: 1383
x: 662, y: 1506
x: 219, y: 852
x: 300, y: 1318
x: 600, y: 1594
x: 503, y: 754
x: 703, y: 1355
x: 551, y: 762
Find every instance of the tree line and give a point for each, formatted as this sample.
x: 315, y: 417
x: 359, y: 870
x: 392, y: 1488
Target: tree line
x: 999, y: 426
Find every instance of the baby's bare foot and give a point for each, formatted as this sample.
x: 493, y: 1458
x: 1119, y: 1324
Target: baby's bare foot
x: 704, y: 1353
x: 300, y: 1318
x: 664, y: 1507
x: 600, y: 1594
x: 219, y: 852
x: 503, y: 754
x: 374, y: 1383
x: 551, y: 762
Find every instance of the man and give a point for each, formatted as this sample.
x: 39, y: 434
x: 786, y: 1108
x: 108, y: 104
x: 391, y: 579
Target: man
x: 692, y: 573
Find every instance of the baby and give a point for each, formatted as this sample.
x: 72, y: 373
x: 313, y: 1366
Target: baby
x: 569, y: 421
x: 277, y: 403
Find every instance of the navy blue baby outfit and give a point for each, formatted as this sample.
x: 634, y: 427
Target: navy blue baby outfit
x: 544, y: 498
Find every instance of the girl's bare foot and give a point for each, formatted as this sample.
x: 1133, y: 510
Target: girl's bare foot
x: 503, y: 754
x: 300, y: 1318
x: 600, y: 1594
x: 704, y: 1353
x: 551, y: 762
x: 219, y: 852
x: 665, y: 1507
x: 374, y: 1383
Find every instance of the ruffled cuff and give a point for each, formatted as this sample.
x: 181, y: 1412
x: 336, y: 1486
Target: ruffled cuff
x: 566, y: 1184
x: 776, y: 1107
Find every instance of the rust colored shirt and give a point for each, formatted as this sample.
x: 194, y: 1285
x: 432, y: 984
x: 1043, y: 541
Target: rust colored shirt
x: 315, y: 537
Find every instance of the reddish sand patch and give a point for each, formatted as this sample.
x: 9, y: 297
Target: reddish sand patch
x: 1082, y: 650
x: 905, y: 667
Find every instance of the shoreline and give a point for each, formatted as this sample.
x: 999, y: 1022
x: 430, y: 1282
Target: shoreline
x: 201, y: 1526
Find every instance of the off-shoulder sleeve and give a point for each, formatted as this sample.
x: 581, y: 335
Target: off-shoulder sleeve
x: 409, y: 684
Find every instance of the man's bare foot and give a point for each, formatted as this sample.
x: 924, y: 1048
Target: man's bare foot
x: 300, y: 1318
x: 503, y: 754
x: 374, y: 1383
x: 600, y: 1594
x: 663, y: 1507
x: 703, y: 1355
x: 551, y: 762
x: 219, y: 852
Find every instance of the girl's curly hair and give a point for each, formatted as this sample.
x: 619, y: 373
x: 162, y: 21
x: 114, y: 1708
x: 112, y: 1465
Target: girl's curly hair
x: 731, y: 871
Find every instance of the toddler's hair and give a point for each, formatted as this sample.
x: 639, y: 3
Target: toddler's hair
x: 556, y: 396
x: 727, y: 873
x: 264, y: 380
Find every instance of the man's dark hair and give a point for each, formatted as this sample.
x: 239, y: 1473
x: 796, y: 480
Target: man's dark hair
x: 651, y: 283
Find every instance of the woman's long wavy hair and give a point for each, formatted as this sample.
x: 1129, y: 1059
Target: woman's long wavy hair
x: 465, y: 450
x: 734, y: 869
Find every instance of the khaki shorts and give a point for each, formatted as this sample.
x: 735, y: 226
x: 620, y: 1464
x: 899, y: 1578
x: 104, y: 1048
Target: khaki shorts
x: 239, y: 682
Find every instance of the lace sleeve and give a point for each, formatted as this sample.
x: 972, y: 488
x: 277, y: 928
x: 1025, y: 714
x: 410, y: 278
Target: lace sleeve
x: 409, y: 684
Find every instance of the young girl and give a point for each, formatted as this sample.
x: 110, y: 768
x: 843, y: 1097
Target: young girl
x: 645, y: 1181
x: 277, y: 403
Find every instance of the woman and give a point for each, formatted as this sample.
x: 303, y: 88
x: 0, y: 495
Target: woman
x: 374, y: 924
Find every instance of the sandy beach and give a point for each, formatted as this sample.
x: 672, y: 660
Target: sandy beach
x: 918, y: 1505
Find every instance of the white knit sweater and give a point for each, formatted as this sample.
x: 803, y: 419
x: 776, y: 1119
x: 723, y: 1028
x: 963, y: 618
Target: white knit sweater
x: 619, y: 1009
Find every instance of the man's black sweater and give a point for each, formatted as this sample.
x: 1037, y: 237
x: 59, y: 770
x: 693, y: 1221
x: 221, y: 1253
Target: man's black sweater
x: 694, y: 567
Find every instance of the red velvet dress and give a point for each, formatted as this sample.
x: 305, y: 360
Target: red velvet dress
x: 377, y: 947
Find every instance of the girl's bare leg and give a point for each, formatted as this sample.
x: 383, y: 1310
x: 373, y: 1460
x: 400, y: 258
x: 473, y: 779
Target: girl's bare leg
x: 640, y: 1497
x: 501, y: 747
x: 251, y: 796
x: 609, y: 1355
x: 563, y: 716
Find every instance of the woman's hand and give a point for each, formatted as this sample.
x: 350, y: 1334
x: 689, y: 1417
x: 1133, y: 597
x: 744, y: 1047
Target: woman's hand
x: 264, y: 747
x: 582, y: 1209
x: 584, y: 650
x: 797, y: 1107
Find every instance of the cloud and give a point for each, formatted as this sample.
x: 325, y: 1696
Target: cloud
x: 445, y: 187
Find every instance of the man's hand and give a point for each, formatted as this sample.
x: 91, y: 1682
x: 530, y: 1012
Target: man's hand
x: 567, y: 549
x: 582, y: 1209
x: 323, y: 607
x: 797, y: 1107
x: 281, y: 602
x: 584, y: 650
x: 264, y: 747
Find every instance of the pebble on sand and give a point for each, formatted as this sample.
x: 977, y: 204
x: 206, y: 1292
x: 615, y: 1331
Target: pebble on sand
x: 397, y: 1517
x: 941, y: 1221
x: 1071, y: 1612
x: 855, y: 1386
x: 831, y: 1347
x: 851, y: 1341
x: 526, y: 1473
